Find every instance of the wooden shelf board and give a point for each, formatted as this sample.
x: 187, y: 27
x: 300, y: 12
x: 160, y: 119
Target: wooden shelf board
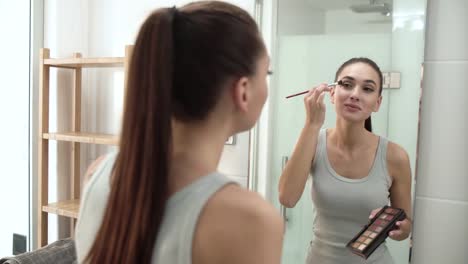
x: 86, y: 62
x: 83, y: 137
x: 67, y: 208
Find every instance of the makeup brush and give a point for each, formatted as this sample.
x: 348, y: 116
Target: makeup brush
x: 329, y: 85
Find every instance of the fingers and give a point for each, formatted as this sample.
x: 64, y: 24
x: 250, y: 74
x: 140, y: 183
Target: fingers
x: 320, y: 100
x: 374, y: 212
x: 397, y: 235
x: 404, y: 225
x: 314, y: 102
x: 402, y: 232
x: 321, y: 89
x: 311, y: 91
x: 317, y: 91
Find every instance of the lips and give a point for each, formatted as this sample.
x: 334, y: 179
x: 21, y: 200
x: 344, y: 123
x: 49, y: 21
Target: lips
x: 353, y: 106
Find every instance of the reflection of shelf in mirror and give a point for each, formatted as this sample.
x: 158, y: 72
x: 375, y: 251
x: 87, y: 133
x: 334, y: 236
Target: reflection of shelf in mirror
x: 67, y: 208
x: 86, y: 62
x: 82, y: 137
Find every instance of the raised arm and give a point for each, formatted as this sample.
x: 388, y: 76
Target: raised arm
x: 296, y: 171
x: 294, y: 176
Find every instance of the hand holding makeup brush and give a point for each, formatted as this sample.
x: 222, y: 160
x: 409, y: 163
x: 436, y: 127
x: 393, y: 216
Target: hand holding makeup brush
x: 402, y: 231
x: 315, y: 108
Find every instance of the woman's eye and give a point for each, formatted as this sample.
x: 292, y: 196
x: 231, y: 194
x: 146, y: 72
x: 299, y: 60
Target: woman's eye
x: 347, y: 85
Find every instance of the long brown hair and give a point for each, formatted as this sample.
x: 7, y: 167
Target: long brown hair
x: 181, y: 60
x: 373, y: 65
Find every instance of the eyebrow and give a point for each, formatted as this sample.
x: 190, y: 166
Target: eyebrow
x: 352, y: 79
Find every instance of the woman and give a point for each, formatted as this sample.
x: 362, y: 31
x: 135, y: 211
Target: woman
x: 197, y: 76
x: 354, y: 172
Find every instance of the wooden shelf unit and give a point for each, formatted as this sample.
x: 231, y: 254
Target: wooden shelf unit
x: 67, y: 208
x: 85, y: 62
x: 83, y: 137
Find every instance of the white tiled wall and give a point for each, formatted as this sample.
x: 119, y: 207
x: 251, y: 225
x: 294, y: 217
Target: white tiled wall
x: 441, y: 206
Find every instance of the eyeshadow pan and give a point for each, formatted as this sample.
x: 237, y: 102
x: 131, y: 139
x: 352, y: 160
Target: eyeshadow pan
x: 374, y: 228
x: 375, y: 231
x: 380, y: 222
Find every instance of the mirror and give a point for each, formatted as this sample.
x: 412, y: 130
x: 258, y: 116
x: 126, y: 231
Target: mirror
x: 312, y: 39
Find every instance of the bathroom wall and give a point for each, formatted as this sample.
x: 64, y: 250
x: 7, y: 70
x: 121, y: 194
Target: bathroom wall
x: 441, y: 205
x: 344, y: 21
x: 14, y: 115
x: 305, y: 21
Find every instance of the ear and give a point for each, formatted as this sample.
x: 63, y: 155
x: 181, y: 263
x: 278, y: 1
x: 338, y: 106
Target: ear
x: 241, y: 95
x: 332, y: 95
x: 377, y: 104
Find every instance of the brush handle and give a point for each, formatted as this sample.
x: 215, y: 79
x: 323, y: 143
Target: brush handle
x: 292, y: 95
x: 304, y: 92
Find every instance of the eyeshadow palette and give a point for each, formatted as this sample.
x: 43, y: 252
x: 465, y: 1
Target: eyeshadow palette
x: 375, y: 233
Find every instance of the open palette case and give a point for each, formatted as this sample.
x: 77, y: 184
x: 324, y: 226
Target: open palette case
x: 375, y: 233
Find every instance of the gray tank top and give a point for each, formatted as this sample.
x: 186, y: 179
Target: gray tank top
x: 174, y: 242
x: 343, y: 206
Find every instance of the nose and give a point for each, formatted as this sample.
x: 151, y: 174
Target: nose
x: 355, y: 94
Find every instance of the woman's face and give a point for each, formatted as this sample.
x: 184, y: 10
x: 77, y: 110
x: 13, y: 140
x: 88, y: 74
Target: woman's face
x: 358, y: 95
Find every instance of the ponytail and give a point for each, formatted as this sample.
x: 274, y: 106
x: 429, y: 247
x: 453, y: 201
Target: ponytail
x: 368, y: 124
x: 139, y: 188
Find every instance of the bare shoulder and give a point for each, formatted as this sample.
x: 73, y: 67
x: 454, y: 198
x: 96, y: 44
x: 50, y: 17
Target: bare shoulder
x: 396, y: 154
x: 238, y: 226
x: 397, y: 160
x: 246, y: 202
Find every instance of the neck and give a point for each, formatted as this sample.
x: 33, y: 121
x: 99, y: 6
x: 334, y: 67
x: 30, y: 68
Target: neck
x: 349, y: 135
x: 196, y: 151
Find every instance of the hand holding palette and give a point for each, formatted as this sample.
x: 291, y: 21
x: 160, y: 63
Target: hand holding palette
x: 375, y: 233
